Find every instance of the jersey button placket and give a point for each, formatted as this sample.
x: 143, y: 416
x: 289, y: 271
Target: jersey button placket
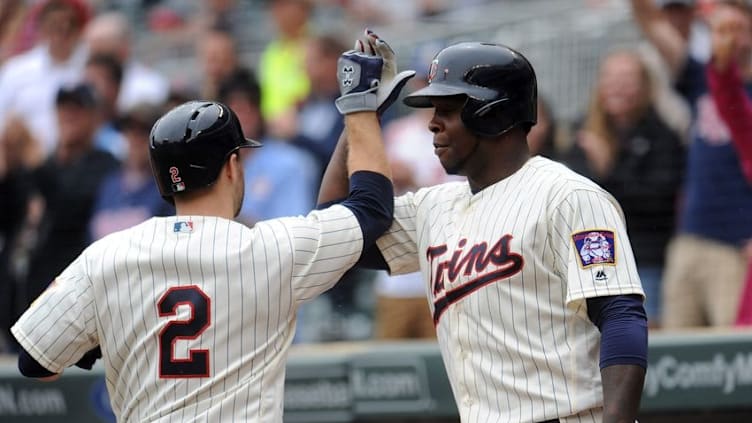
x: 460, y: 355
x: 465, y: 356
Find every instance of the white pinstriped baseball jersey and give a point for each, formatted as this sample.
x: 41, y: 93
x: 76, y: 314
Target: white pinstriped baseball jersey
x: 194, y: 315
x: 507, y: 272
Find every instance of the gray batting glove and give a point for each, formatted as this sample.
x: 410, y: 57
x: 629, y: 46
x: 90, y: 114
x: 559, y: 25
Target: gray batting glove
x: 391, y: 81
x: 359, y: 76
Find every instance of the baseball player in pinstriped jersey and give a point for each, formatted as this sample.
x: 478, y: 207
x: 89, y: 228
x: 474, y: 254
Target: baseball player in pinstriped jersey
x: 194, y: 314
x: 528, y: 270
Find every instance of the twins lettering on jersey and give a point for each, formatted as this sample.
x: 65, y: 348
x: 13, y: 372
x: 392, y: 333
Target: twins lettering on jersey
x: 481, y: 264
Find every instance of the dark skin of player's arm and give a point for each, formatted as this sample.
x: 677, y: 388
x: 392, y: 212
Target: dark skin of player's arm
x: 622, y: 389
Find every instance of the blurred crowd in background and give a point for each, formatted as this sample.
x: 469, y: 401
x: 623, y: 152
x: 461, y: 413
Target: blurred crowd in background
x: 82, y: 82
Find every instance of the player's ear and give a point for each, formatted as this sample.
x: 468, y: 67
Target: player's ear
x: 234, y: 166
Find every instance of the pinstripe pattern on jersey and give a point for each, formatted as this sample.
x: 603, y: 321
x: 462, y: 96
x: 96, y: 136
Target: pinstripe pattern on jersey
x: 255, y: 277
x: 522, y: 348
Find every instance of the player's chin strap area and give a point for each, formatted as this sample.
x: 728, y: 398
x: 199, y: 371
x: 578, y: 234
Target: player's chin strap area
x: 463, y: 161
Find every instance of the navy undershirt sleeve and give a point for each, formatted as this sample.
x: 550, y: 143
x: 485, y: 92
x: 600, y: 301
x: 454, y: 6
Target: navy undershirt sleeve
x: 29, y: 367
x: 371, y: 258
x: 371, y: 200
x: 624, y: 329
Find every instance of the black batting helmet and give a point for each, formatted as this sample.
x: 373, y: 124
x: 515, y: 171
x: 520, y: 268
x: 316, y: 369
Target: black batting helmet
x: 499, y: 84
x: 189, y: 145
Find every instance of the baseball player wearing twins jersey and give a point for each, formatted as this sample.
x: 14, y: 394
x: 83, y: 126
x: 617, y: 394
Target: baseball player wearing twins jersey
x: 527, y: 266
x: 195, y: 313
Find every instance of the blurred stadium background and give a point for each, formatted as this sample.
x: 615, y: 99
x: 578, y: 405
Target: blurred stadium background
x: 564, y: 39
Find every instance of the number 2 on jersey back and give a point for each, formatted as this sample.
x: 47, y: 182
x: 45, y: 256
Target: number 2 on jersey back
x: 197, y: 363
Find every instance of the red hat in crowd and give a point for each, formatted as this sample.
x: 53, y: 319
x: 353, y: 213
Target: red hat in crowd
x: 80, y: 8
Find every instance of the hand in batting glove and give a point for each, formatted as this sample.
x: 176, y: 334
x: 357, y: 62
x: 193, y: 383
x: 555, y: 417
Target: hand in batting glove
x: 359, y: 75
x: 391, y: 81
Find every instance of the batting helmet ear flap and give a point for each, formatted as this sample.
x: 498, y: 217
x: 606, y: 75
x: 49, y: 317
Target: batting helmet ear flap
x: 488, y: 119
x: 494, y: 118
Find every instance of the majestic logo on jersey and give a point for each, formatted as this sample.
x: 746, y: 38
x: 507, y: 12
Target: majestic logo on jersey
x: 486, y: 264
x: 185, y: 226
x: 595, y: 247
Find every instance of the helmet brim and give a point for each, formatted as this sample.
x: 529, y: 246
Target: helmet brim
x: 422, y: 97
x: 250, y: 143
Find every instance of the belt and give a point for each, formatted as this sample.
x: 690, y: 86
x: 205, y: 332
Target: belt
x: 551, y: 421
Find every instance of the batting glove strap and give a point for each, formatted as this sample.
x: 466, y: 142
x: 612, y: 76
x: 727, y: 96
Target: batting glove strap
x: 358, y: 102
x: 390, y: 90
x: 358, y: 75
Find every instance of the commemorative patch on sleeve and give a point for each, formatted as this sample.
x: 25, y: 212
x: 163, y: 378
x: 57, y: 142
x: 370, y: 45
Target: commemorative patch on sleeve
x: 595, y: 246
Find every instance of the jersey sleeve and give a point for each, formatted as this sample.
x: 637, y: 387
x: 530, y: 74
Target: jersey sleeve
x: 593, y: 253
x: 325, y: 244
x: 59, y: 327
x: 399, y: 244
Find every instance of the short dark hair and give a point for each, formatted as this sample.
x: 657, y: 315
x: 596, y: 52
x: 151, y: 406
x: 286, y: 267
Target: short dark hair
x: 666, y: 3
x: 241, y: 81
x: 141, y: 116
x: 110, y: 63
x: 81, y: 94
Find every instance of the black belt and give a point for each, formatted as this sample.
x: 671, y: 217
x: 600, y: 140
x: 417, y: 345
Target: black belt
x: 551, y: 421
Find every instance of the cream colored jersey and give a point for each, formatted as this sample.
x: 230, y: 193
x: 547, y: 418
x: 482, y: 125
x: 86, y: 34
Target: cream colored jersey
x: 507, y: 273
x: 194, y: 315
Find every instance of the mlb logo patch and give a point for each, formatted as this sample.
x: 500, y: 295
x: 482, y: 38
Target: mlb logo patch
x: 595, y: 246
x: 184, y: 226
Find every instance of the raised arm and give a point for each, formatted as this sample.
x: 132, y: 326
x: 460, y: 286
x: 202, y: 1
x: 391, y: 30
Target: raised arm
x: 726, y: 86
x: 735, y: 109
x: 659, y: 31
x: 335, y: 186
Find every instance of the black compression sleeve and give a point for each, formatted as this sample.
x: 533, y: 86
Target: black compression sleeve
x: 29, y: 367
x: 371, y: 257
x: 371, y: 200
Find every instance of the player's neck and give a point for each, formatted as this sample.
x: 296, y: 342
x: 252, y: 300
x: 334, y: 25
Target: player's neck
x: 206, y: 204
x: 505, y: 158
